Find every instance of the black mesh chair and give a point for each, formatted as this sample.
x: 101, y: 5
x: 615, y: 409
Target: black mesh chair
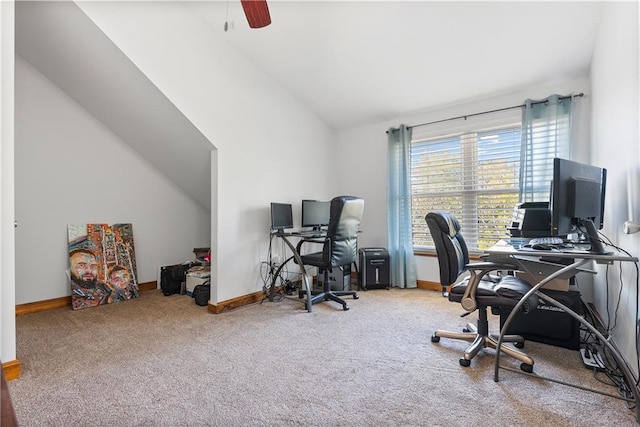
x: 477, y: 292
x: 340, y: 246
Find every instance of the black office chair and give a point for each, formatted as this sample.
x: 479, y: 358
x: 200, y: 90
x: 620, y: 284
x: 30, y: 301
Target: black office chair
x: 340, y: 246
x: 479, y: 291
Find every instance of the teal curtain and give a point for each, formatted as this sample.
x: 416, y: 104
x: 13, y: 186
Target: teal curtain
x: 399, y: 230
x: 546, y: 133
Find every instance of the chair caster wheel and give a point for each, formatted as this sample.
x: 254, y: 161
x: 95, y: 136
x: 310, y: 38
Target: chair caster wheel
x: 356, y: 297
x: 527, y: 368
x: 518, y: 344
x: 435, y: 338
x: 464, y: 362
x: 345, y: 307
x: 465, y: 330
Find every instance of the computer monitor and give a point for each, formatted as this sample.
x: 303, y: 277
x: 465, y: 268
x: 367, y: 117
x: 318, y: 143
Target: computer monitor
x: 281, y: 216
x: 315, y: 213
x: 577, y: 200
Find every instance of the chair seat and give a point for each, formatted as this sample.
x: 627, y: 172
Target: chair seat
x: 315, y: 259
x: 505, y: 293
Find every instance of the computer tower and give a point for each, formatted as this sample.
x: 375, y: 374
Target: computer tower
x: 374, y: 271
x: 548, y: 324
x: 339, y: 279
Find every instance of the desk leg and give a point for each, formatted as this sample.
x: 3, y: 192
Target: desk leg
x: 616, y: 354
x: 305, y: 276
x: 607, y: 342
x: 307, y: 286
x: 274, y: 278
x: 518, y: 306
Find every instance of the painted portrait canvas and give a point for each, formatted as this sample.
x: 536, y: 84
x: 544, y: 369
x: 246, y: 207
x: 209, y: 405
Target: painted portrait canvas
x: 102, y: 264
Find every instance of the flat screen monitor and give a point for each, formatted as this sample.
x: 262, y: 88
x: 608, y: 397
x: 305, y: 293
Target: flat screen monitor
x: 577, y: 200
x: 281, y: 216
x: 315, y: 213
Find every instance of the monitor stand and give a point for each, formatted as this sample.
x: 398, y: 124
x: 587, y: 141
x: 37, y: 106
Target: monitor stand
x: 596, y: 245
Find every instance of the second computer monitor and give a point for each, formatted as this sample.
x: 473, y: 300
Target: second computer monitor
x: 281, y: 216
x: 315, y: 213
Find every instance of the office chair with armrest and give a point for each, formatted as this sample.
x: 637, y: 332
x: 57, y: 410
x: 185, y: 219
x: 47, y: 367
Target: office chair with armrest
x: 479, y: 291
x: 340, y: 246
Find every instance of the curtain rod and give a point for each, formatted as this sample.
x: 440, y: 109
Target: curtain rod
x: 579, y: 95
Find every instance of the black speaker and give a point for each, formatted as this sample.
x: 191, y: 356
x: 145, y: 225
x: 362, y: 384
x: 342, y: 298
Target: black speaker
x: 548, y: 324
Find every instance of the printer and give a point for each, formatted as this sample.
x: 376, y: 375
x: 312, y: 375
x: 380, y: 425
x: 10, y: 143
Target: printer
x: 531, y: 219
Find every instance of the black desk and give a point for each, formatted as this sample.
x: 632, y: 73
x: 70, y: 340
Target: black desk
x: 310, y: 236
x: 578, y: 259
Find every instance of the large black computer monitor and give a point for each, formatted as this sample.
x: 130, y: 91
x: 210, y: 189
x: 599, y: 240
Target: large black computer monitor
x: 315, y: 214
x: 577, y: 200
x: 281, y: 216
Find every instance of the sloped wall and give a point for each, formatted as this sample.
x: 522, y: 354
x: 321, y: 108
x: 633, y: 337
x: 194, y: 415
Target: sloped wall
x: 269, y: 145
x: 70, y: 169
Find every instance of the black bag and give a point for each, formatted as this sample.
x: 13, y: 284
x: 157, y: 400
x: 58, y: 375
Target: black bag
x: 202, y: 293
x: 172, y: 277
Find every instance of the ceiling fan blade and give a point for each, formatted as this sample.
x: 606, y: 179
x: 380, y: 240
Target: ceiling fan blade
x: 257, y: 13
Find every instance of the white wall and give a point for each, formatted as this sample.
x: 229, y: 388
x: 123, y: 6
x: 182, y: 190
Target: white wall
x: 7, y: 236
x: 364, y: 158
x: 269, y: 144
x: 616, y: 146
x: 70, y: 169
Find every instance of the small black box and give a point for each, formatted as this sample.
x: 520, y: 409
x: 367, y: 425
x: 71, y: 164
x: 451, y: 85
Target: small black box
x: 531, y: 219
x: 549, y: 324
x: 374, y: 270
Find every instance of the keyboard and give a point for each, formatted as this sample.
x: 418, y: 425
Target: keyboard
x: 546, y: 241
x: 308, y: 233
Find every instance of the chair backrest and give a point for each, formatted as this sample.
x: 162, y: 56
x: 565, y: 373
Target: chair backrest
x: 341, y: 246
x: 451, y: 248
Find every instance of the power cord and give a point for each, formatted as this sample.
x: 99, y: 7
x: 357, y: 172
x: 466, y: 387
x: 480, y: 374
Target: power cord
x: 611, y: 369
x: 637, y: 311
x: 603, y: 364
x: 276, y: 276
x: 268, y: 270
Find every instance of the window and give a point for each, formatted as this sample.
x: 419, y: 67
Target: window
x: 475, y: 167
x: 469, y: 167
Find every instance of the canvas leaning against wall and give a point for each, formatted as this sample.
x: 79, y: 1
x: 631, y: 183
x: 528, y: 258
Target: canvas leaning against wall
x: 102, y: 264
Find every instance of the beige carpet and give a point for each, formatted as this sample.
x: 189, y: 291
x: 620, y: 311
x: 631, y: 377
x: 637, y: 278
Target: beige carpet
x: 166, y: 361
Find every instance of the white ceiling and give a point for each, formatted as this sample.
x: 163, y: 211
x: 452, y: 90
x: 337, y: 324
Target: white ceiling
x: 357, y: 62
x: 351, y: 62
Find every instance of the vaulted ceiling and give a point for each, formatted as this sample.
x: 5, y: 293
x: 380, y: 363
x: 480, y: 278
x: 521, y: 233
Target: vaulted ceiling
x: 350, y: 62
x: 357, y: 62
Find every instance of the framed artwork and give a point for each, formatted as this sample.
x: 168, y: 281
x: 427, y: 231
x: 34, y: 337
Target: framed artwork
x: 102, y: 264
